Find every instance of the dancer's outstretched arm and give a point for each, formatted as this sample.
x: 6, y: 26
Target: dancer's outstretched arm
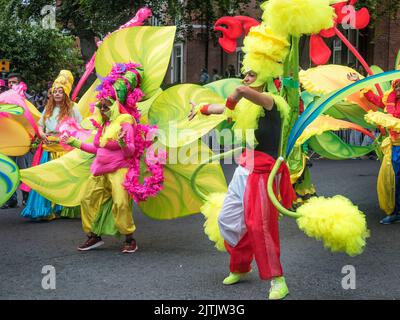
x: 252, y: 94
x: 78, y: 144
x: 205, y: 109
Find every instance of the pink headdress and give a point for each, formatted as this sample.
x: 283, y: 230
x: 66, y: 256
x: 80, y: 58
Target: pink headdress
x: 123, y: 84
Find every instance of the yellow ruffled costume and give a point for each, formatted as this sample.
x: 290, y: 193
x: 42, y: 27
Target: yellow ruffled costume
x: 383, y: 119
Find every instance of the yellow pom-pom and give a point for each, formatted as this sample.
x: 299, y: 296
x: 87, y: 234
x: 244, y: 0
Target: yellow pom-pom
x: 262, y: 40
x: 211, y: 210
x: 335, y: 221
x: 297, y: 17
x: 264, y: 53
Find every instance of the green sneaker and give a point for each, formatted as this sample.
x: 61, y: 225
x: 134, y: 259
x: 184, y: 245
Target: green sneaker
x: 279, y: 289
x: 234, y: 277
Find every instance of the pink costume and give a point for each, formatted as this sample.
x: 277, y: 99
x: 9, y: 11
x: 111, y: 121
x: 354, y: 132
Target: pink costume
x: 112, y: 156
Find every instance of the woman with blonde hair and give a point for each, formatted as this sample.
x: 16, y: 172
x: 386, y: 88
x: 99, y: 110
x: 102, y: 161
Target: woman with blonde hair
x: 58, y: 110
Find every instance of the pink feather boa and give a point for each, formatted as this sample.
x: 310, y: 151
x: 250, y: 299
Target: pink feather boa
x: 153, y: 183
x: 143, y: 138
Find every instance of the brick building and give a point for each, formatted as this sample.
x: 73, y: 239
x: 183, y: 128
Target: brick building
x: 386, y: 42
x: 188, y: 57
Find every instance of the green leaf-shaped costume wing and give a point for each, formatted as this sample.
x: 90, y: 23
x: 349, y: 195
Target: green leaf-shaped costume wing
x: 144, y: 106
x: 178, y: 199
x: 63, y: 180
x: 351, y: 112
x: 224, y: 87
x: 149, y: 46
x: 170, y: 113
x: 330, y: 146
x: 88, y: 98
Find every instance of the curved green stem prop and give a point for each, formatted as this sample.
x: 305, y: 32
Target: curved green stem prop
x: 194, y: 186
x: 271, y: 193
x: 291, y: 89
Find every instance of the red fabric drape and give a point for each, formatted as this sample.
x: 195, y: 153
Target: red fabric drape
x: 261, y: 217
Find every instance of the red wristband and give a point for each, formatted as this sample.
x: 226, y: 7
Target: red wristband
x: 230, y: 103
x: 204, y: 110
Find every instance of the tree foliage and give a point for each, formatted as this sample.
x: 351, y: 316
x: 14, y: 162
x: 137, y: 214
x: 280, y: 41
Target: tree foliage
x: 380, y: 8
x: 37, y: 53
x: 89, y: 18
x: 206, y: 12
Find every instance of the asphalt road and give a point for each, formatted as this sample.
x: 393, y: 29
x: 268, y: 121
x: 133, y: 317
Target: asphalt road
x: 175, y: 259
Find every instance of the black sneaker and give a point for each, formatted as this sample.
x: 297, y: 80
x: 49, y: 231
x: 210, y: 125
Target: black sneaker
x: 91, y: 243
x: 13, y: 204
x: 10, y: 204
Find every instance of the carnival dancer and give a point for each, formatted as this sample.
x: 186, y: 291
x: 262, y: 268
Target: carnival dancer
x: 58, y: 110
x: 248, y: 221
x: 107, y: 206
x: 389, y: 174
